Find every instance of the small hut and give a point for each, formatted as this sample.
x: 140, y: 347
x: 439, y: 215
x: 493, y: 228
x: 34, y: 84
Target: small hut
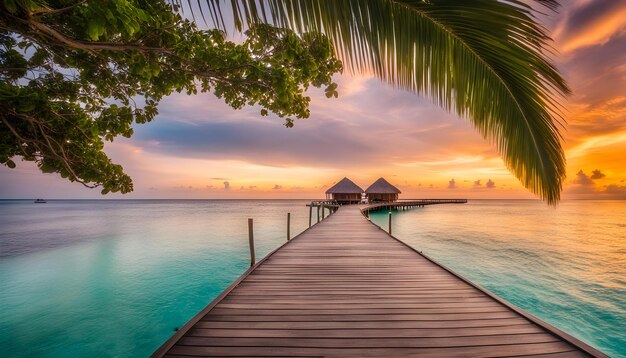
x: 345, y: 192
x: 382, y: 190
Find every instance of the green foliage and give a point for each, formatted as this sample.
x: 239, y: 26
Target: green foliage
x: 484, y: 59
x: 78, y: 73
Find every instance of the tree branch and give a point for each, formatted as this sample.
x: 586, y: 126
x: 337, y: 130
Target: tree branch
x: 57, y: 11
x: 89, y: 46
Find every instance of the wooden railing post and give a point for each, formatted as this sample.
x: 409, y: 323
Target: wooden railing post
x: 323, y: 211
x: 318, y: 213
x: 310, y: 213
x: 251, y: 242
x: 390, y: 223
x: 288, y: 226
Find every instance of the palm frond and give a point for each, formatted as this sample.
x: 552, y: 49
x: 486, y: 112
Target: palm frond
x: 487, y: 60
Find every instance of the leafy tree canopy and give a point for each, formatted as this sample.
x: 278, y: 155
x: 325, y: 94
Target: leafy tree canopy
x: 78, y: 73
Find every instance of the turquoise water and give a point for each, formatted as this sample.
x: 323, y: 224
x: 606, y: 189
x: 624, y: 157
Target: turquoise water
x: 115, y: 278
x: 566, y: 266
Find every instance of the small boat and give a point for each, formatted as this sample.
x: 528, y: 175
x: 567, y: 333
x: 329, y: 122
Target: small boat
x: 40, y: 201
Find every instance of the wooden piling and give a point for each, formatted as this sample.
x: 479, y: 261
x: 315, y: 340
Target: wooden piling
x: 310, y: 214
x: 390, y: 223
x: 288, y: 226
x: 251, y: 242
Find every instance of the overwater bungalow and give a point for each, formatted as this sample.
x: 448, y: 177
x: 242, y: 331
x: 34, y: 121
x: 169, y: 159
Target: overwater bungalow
x: 382, y: 190
x: 345, y: 192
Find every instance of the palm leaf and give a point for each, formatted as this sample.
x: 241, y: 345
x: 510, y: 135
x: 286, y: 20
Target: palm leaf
x: 487, y: 60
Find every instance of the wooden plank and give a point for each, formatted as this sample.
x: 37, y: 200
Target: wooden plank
x: 352, y: 311
x: 395, y: 342
x: 365, y: 333
x: 308, y: 288
x: 361, y: 317
x: 347, y: 306
x: 423, y: 302
x: 382, y: 325
x: 356, y: 292
x: 345, y: 287
x: 479, y: 351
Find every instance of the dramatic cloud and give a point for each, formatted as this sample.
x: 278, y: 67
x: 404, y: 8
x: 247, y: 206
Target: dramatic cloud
x: 597, y: 174
x: 452, y: 184
x: 600, y: 68
x: 583, y: 179
x: 260, y: 141
x: 491, y: 184
x: 611, y: 191
x: 591, y: 23
x: 584, y: 187
x: 226, y: 185
x: 616, y: 191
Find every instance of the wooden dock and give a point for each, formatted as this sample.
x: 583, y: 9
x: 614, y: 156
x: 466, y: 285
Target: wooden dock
x: 405, y: 204
x: 345, y: 287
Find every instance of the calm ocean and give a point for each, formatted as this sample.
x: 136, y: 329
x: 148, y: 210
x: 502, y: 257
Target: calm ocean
x: 85, y: 278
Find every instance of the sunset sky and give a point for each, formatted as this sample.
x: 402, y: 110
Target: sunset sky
x: 198, y: 147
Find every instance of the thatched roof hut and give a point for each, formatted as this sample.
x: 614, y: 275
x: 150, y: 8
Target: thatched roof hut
x: 382, y: 190
x: 345, y: 191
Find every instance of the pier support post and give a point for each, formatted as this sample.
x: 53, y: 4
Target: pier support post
x: 288, y: 226
x: 318, y: 213
x: 323, y: 211
x: 251, y: 242
x: 390, y: 223
x: 310, y: 213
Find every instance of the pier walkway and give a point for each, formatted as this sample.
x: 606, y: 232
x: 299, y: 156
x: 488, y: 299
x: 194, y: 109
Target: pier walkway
x: 345, y: 287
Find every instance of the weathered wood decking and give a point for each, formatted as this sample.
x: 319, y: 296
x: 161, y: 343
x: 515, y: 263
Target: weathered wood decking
x: 346, y: 288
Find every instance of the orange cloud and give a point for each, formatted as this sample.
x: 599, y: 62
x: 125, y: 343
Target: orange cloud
x: 596, y: 31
